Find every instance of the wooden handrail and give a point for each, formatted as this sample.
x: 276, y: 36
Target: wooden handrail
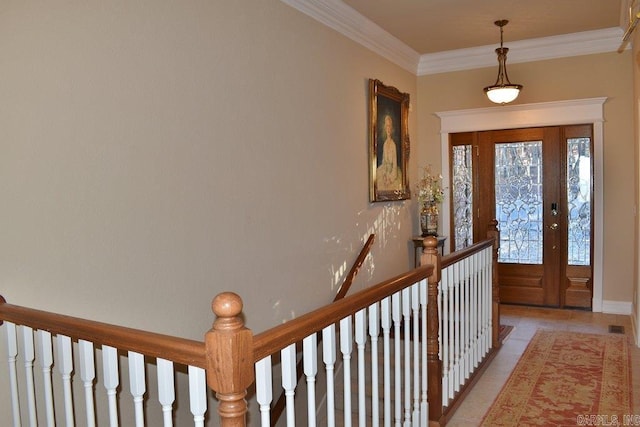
x: 277, y: 338
x: 179, y: 350
x: 346, y: 285
x: 278, y: 408
x: 456, y: 256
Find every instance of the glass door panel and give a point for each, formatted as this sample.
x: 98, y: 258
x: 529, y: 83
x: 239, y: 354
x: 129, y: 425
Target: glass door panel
x: 518, y: 193
x: 462, y: 191
x: 579, y: 201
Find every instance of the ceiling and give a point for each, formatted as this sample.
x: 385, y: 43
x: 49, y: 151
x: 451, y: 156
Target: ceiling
x: 433, y: 26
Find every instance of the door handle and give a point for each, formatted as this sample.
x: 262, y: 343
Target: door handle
x: 554, y: 226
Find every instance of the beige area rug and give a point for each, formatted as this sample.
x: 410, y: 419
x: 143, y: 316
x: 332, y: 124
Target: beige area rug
x: 567, y: 379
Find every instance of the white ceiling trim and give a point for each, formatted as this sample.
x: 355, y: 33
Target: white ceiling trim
x: 584, y: 43
x: 348, y: 22
x: 345, y: 20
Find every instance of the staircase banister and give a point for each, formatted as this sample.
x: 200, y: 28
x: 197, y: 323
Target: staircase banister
x: 179, y: 350
x: 456, y: 256
x: 278, y: 337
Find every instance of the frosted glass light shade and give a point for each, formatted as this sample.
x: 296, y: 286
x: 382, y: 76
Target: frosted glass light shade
x: 503, y: 94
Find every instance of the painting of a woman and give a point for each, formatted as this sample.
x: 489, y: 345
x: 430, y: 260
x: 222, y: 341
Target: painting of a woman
x: 389, y: 172
x: 388, y: 143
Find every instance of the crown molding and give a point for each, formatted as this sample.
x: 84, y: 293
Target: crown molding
x: 567, y: 45
x: 348, y: 22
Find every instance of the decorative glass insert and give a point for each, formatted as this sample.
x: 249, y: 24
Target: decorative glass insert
x: 518, y: 181
x: 462, y: 172
x: 579, y: 200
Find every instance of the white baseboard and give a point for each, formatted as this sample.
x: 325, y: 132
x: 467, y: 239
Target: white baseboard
x: 617, y: 307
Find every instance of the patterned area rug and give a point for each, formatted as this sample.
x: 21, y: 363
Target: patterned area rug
x: 566, y: 379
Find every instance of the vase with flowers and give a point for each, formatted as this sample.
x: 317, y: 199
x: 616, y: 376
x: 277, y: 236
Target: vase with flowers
x: 430, y: 195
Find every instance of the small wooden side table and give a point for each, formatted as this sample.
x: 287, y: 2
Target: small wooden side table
x: 418, y: 243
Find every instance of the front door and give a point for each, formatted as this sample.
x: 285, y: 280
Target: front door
x: 537, y: 183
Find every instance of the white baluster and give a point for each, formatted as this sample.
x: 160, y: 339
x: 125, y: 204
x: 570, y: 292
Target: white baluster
x: 289, y: 381
x: 452, y: 335
x: 469, y: 310
x: 415, y: 315
x: 346, y: 348
x: 456, y: 329
x: 406, y: 315
x: 444, y: 341
x: 12, y: 354
x: 361, y: 341
x: 474, y: 308
x: 374, y: 331
x: 489, y: 298
x: 329, y: 359
x: 137, y: 385
x: 87, y: 375
x: 111, y: 381
x: 424, y: 405
x: 166, y: 390
x: 486, y: 303
x: 310, y: 361
x: 481, y: 302
x: 460, y: 319
x: 396, y: 315
x: 197, y: 394
x: 464, y: 321
x: 385, y: 321
x: 264, y: 390
x: 45, y: 358
x: 64, y: 362
x: 29, y: 356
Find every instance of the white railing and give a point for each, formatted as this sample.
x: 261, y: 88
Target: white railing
x: 43, y: 364
x: 351, y: 345
x: 465, y: 322
x: 465, y: 301
x: 398, y: 353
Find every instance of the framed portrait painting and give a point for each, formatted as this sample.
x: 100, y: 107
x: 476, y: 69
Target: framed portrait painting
x: 388, y: 143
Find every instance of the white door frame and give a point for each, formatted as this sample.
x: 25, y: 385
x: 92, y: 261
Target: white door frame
x: 558, y: 113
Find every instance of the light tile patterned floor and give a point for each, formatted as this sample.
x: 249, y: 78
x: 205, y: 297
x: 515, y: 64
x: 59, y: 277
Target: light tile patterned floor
x: 526, y: 321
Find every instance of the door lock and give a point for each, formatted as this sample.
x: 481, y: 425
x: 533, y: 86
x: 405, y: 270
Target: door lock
x: 554, y: 226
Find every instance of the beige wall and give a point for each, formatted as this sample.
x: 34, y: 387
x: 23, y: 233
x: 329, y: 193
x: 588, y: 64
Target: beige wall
x: 579, y: 77
x: 156, y: 153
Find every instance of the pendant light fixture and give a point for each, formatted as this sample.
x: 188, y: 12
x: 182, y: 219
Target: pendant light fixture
x: 503, y: 91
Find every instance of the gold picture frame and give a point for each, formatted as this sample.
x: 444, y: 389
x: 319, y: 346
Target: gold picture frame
x: 388, y: 143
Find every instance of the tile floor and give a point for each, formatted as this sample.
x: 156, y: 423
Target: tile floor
x: 526, y: 321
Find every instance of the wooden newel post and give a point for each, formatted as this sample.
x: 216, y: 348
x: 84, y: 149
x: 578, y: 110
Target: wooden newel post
x: 430, y: 255
x: 229, y: 347
x: 494, y: 233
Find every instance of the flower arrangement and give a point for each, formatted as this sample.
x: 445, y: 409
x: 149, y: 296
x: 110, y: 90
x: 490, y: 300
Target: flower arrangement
x: 430, y: 192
